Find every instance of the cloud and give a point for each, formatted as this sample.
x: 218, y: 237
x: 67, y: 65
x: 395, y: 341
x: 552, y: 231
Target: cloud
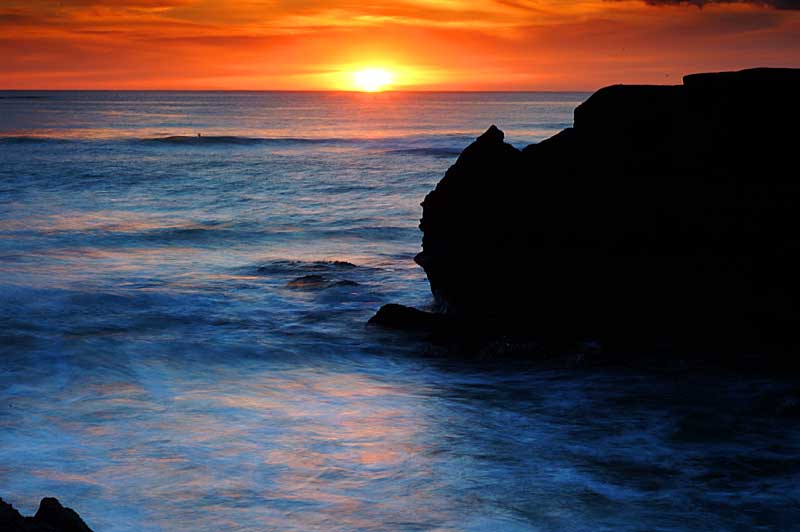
x: 122, y: 3
x: 445, y: 44
x: 776, y: 4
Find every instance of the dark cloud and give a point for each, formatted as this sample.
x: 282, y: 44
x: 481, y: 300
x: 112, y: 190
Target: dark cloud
x: 777, y: 4
x: 17, y: 16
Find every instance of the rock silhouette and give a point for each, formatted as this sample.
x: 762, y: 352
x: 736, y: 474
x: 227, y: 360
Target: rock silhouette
x: 50, y: 517
x: 665, y: 212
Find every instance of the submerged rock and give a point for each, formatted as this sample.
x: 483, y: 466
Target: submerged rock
x: 665, y: 212
x: 318, y: 282
x: 50, y: 517
x: 393, y: 316
x: 309, y: 281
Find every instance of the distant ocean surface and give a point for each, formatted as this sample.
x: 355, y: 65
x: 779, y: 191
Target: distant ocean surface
x: 184, y: 283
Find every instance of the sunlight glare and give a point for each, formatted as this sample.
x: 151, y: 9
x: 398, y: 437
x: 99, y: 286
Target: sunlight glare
x: 372, y: 79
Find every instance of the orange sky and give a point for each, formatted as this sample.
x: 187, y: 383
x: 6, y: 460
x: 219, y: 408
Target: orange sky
x: 429, y: 44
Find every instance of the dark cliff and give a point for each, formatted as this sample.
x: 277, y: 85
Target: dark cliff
x: 666, y: 212
x: 50, y: 517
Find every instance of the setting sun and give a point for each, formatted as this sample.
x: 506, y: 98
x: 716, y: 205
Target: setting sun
x: 372, y: 79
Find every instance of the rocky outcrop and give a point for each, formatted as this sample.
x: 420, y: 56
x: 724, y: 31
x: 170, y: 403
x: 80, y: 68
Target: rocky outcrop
x: 50, y: 517
x: 665, y: 211
x: 393, y: 316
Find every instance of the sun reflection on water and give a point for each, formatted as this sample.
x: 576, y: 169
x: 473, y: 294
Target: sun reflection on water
x: 335, y: 441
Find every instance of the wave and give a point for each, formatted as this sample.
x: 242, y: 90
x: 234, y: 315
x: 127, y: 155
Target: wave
x: 284, y: 266
x: 180, y: 140
x: 202, y: 140
x: 237, y: 139
x: 31, y: 139
x: 199, y: 140
x: 21, y: 97
x: 427, y: 145
x: 319, y: 282
x: 389, y: 143
x: 434, y: 152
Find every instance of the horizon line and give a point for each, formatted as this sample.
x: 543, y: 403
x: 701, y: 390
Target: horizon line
x: 410, y: 91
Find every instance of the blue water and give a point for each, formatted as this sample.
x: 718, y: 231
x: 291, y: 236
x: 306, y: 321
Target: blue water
x: 167, y: 364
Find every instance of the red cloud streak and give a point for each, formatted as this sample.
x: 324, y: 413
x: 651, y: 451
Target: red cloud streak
x: 449, y: 44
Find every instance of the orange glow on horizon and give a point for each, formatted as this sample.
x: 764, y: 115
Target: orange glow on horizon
x: 422, y: 44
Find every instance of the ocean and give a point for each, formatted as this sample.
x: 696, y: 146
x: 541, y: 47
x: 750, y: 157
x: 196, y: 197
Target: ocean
x: 185, y: 279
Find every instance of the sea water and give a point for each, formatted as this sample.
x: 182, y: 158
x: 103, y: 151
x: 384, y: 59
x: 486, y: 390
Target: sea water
x: 184, y: 283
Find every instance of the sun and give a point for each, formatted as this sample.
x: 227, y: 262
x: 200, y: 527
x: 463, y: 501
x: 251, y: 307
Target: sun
x: 372, y: 79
